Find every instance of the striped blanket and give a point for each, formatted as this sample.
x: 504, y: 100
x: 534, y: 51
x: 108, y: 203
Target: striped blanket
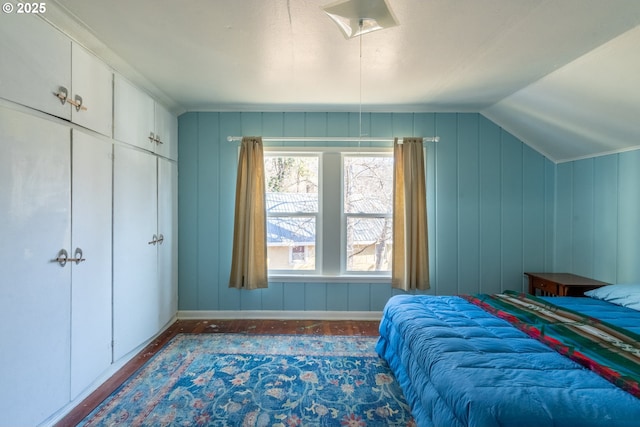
x: 612, y: 352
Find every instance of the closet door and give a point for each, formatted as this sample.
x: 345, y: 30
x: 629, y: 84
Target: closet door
x: 35, y: 291
x: 168, y: 248
x: 135, y: 283
x: 133, y: 114
x: 91, y: 186
x: 92, y: 86
x: 166, y: 125
x: 35, y: 64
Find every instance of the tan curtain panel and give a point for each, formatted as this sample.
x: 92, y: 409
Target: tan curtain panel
x: 410, y: 262
x: 249, y: 258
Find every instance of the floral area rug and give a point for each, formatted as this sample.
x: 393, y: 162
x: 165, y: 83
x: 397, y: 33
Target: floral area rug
x: 259, y: 380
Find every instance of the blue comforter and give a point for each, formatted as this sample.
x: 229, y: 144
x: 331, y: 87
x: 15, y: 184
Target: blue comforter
x: 460, y: 366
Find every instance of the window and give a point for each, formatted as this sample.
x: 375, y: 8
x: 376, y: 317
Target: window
x: 329, y: 212
x: 367, y: 209
x: 292, y: 211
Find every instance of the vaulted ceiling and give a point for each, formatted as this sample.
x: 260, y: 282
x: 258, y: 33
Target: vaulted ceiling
x: 561, y: 75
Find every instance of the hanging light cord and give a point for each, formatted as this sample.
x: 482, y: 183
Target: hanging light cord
x: 360, y: 23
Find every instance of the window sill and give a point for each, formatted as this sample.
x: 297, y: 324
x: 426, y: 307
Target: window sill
x: 351, y: 278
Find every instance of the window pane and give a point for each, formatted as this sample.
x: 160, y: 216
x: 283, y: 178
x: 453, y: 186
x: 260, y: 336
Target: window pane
x: 291, y: 183
x: 291, y: 203
x: 368, y: 184
x: 291, y: 243
x: 369, y: 244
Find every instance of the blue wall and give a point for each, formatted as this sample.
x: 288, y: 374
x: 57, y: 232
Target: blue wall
x: 491, y: 201
x: 598, y: 217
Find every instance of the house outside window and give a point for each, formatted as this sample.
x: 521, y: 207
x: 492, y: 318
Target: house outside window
x: 329, y: 212
x: 298, y: 253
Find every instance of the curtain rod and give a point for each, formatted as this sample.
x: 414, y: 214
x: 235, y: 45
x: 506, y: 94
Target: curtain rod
x: 329, y: 139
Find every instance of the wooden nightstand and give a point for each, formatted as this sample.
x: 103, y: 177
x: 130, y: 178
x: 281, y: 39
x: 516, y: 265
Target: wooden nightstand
x: 561, y: 284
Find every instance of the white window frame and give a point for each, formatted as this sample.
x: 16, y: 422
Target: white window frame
x: 271, y: 151
x: 330, y: 219
x: 345, y: 216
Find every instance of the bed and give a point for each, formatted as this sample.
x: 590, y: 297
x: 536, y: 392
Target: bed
x: 516, y: 360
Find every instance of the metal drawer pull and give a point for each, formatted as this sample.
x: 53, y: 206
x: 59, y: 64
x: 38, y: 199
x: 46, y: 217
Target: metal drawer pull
x: 77, y: 103
x: 157, y: 239
x: 78, y: 256
x: 61, y: 94
x: 63, y: 257
x: 154, y: 138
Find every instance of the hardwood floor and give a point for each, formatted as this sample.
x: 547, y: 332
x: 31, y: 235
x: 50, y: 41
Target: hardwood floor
x: 255, y: 326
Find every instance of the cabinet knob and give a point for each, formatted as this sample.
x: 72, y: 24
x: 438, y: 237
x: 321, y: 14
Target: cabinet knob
x: 160, y: 239
x: 152, y: 137
x: 154, y: 240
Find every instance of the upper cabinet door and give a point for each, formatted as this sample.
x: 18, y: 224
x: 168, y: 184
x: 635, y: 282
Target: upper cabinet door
x: 166, y: 133
x: 35, y: 64
x: 36, y: 70
x: 133, y: 114
x: 92, y: 95
x: 140, y: 121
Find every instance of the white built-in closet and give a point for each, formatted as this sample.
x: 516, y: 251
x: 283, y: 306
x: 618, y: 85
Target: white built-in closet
x: 88, y: 220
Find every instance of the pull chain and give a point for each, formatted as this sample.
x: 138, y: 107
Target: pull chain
x: 360, y: 85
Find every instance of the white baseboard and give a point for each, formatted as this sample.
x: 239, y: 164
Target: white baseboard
x: 280, y: 315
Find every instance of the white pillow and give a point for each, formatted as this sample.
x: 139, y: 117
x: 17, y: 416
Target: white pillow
x: 626, y: 295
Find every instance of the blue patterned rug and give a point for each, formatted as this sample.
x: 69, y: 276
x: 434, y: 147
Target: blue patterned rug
x: 259, y: 380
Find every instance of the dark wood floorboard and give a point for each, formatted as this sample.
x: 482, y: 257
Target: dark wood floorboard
x: 255, y: 326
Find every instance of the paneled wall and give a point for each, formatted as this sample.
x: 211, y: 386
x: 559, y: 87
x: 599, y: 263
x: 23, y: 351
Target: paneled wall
x: 490, y: 206
x: 598, y: 225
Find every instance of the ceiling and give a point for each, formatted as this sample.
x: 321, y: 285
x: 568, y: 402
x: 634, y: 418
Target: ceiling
x: 561, y: 75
